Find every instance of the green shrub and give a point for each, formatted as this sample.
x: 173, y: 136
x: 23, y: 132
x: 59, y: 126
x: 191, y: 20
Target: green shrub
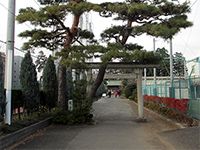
x: 61, y: 117
x: 74, y: 117
x: 81, y: 107
x: 129, y: 90
x: 80, y: 100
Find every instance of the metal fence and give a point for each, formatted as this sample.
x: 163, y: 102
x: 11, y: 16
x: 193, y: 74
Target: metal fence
x: 162, y: 87
x: 182, y: 89
x: 194, y: 97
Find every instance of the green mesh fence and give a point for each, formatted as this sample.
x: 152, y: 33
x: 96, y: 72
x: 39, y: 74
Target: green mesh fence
x: 181, y: 89
x: 163, y: 88
x: 194, y: 96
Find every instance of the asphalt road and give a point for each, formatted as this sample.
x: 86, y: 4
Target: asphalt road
x: 116, y: 129
x: 183, y: 139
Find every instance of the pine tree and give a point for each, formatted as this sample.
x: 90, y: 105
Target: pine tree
x: 159, y: 18
x: 51, y: 32
x: 50, y: 83
x: 29, y: 83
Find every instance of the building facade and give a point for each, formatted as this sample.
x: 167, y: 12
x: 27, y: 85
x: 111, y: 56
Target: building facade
x: 16, y: 72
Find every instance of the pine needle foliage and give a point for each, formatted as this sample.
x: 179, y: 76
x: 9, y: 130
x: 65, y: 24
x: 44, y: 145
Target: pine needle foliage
x: 159, y: 18
x: 49, y: 22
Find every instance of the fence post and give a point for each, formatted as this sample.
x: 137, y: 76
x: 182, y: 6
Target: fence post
x: 179, y: 81
x: 155, y: 82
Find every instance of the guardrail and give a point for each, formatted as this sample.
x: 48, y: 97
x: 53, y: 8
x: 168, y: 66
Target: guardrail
x: 15, y: 137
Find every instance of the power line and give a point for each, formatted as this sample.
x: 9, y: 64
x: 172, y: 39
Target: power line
x: 17, y: 49
x: 7, y: 9
x: 13, y: 13
x: 37, y: 3
x: 193, y: 3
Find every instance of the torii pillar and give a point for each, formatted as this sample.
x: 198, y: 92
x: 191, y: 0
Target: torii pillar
x: 89, y: 79
x: 139, y: 96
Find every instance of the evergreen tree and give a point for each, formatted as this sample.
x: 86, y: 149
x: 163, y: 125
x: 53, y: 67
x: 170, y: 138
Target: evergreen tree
x: 164, y: 69
x: 2, y: 98
x: 1, y: 80
x: 30, y: 86
x: 179, y: 64
x: 50, y: 85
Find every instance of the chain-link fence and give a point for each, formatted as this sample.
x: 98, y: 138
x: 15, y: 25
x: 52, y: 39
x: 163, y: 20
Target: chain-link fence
x: 194, y: 97
x: 181, y: 101
x: 162, y: 87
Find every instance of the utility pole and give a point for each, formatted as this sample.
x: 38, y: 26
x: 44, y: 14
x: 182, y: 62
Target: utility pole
x: 9, y: 57
x: 154, y: 44
x: 171, y: 72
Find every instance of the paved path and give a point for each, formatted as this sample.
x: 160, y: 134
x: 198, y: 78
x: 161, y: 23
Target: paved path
x: 116, y: 129
x: 183, y: 139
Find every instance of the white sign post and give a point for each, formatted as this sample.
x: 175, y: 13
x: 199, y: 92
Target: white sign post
x: 70, y: 105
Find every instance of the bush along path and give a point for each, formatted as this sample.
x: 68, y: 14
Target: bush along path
x: 175, y: 109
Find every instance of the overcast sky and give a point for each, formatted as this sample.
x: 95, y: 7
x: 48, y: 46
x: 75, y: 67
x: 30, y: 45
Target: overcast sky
x: 186, y: 42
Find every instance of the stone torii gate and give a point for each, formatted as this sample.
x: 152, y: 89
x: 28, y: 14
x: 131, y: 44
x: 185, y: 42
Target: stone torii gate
x: 137, y: 74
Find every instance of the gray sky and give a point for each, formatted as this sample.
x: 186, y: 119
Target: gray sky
x: 187, y: 41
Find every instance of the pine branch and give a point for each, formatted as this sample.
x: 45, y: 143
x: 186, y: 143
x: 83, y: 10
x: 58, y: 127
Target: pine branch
x: 62, y: 24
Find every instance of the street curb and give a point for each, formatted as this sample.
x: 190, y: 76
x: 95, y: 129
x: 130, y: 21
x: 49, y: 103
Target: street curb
x: 162, y: 117
x: 12, y: 138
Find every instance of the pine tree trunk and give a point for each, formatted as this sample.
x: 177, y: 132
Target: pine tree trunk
x: 62, y: 83
x: 102, y: 69
x: 98, y: 81
x: 61, y: 87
